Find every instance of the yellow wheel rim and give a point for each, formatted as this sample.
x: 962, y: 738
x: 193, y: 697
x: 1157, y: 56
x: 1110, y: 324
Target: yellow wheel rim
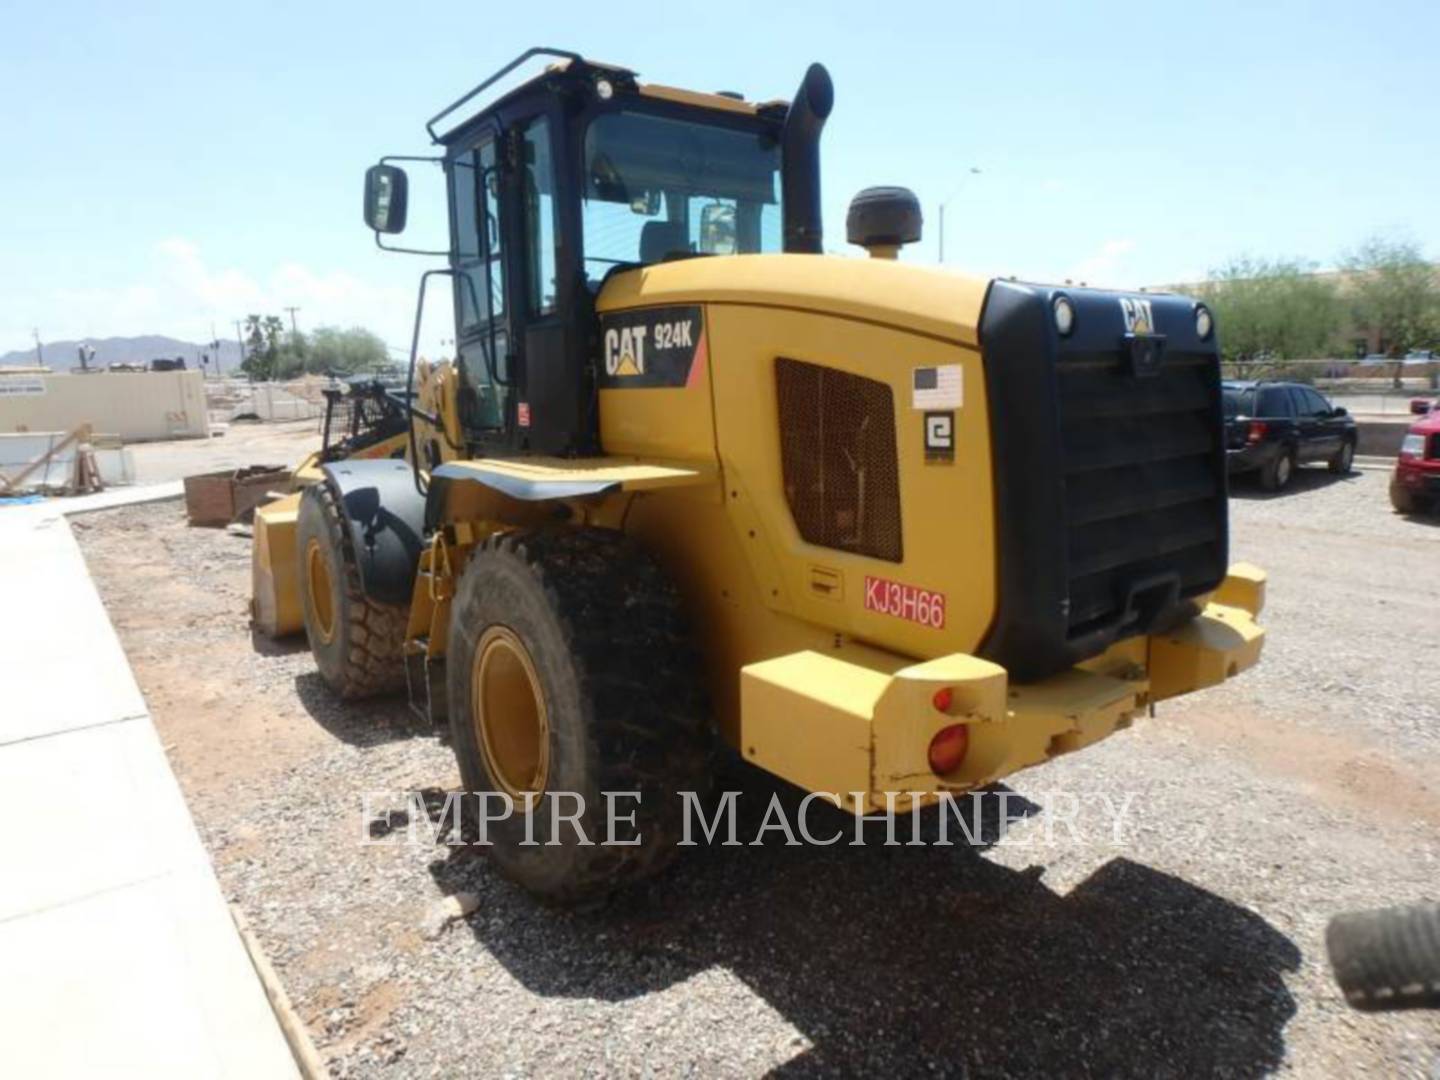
x: 317, y: 583
x: 507, y: 710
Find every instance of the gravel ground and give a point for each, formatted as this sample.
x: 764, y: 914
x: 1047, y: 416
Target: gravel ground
x: 1187, y: 943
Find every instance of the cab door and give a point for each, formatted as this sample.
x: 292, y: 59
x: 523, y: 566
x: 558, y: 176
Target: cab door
x: 483, y: 338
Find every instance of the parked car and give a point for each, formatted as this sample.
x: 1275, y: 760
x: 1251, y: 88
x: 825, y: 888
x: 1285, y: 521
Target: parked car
x: 1415, y: 483
x: 1274, y: 427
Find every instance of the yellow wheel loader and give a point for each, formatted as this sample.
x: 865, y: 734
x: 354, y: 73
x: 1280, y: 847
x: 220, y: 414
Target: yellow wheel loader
x: 691, y: 483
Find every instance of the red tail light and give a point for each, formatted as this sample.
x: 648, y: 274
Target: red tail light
x: 947, y: 749
x: 1257, y: 432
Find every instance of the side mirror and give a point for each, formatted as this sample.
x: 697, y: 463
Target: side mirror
x: 1339, y: 410
x: 717, y: 229
x: 386, y: 193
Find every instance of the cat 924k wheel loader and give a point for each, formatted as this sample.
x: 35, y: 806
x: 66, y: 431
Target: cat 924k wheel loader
x: 689, y: 482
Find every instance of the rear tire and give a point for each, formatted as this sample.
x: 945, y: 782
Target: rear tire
x: 1344, y: 458
x: 592, y: 625
x: 357, y: 643
x: 1277, y: 473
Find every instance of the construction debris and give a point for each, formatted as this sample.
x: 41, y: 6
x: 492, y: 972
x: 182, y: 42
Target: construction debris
x: 62, y: 463
x: 219, y: 498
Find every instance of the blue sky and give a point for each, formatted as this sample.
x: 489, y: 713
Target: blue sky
x: 166, y: 165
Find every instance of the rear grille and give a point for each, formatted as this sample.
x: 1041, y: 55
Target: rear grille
x: 837, y: 454
x: 1143, y: 482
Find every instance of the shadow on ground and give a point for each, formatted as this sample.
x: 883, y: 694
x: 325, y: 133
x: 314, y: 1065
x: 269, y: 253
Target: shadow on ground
x: 1304, y: 481
x: 264, y: 645
x: 922, y: 957
x: 372, y: 722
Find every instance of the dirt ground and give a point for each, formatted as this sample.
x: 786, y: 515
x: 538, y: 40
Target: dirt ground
x: 241, y: 443
x: 1189, y: 944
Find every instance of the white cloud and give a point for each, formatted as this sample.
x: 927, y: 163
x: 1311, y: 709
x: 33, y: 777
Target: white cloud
x: 1105, y: 268
x: 182, y: 295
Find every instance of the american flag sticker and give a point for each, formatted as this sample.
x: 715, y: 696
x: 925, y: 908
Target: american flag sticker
x: 522, y: 414
x: 936, y: 388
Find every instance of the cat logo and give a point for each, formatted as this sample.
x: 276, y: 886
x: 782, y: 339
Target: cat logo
x: 650, y: 348
x: 1139, y: 319
x: 625, y: 351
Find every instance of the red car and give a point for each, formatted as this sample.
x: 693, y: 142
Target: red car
x: 1415, y: 484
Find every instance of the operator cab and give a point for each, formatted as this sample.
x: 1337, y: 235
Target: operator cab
x: 579, y: 173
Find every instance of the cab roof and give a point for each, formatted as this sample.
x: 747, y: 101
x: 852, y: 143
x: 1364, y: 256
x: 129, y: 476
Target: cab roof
x: 574, y: 68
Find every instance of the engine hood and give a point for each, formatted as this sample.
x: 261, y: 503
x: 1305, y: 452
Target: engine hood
x: 917, y: 299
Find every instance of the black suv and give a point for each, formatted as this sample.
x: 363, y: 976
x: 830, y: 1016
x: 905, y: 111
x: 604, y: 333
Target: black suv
x: 1273, y: 427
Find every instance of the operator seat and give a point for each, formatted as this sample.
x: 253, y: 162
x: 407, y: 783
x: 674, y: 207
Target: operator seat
x: 661, y: 240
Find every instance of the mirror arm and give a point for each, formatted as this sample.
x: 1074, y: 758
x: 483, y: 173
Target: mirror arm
x: 386, y: 160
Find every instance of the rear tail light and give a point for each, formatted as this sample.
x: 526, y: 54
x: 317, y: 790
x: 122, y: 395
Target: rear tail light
x: 1256, y: 432
x: 947, y: 749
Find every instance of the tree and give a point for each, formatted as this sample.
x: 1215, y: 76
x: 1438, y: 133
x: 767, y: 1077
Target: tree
x: 1395, y: 295
x: 1273, y: 309
x: 264, y: 358
x: 272, y: 352
x: 331, y: 349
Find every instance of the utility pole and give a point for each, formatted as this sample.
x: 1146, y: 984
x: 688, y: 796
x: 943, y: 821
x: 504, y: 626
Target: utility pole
x: 944, y: 202
x: 241, y: 339
x: 294, y: 331
x: 215, y: 347
x: 39, y: 349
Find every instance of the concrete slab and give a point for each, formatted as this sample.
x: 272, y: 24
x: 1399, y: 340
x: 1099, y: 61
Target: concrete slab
x: 64, y: 665
x: 109, y: 814
x: 118, y: 953
x: 148, y: 981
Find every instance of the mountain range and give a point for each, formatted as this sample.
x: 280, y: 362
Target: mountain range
x: 64, y: 355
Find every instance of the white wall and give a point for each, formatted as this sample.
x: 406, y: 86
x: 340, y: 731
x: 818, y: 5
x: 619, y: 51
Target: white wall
x: 134, y: 405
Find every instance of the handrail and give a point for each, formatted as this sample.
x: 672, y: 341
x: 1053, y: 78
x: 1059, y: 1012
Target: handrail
x: 528, y: 54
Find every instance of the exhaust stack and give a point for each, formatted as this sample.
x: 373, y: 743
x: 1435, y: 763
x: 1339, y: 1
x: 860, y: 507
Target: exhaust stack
x: 800, y: 161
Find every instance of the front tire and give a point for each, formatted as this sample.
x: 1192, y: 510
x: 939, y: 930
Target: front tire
x: 1344, y: 459
x: 570, y: 670
x: 1402, y: 500
x: 357, y: 643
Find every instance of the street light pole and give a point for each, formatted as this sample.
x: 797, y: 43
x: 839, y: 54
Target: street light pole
x: 972, y: 171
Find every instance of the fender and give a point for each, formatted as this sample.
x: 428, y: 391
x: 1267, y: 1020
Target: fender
x: 386, y: 519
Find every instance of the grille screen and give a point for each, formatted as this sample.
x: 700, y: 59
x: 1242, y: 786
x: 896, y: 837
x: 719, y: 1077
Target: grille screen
x: 1144, y: 488
x: 837, y: 454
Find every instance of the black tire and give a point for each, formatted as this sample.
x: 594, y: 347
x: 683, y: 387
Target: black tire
x: 1344, y: 458
x: 1402, y: 500
x: 359, y: 648
x: 604, y: 633
x: 1276, y: 474
x: 1387, y: 960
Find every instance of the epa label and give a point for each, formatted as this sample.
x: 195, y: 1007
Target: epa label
x: 907, y: 602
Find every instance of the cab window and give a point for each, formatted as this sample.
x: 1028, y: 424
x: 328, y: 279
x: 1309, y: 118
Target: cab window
x: 658, y: 188
x: 540, y: 230
x: 477, y: 238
